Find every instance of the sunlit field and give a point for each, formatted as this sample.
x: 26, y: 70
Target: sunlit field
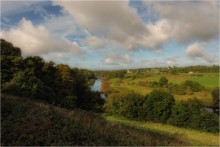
x: 190, y: 136
x: 208, y: 80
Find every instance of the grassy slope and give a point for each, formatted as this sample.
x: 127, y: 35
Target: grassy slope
x: 192, y: 137
x: 31, y: 122
x: 209, y: 80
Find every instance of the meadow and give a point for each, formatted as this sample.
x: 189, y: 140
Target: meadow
x: 131, y: 82
x: 192, y: 137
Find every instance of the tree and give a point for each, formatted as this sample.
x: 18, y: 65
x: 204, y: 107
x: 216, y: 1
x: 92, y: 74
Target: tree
x: 194, y: 86
x: 24, y: 83
x: 7, y: 49
x: 163, y: 81
x: 132, y: 106
x: 215, y: 97
x: 11, y: 61
x: 180, y: 114
x: 158, y: 106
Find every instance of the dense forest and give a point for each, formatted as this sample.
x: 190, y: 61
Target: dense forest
x: 57, y: 84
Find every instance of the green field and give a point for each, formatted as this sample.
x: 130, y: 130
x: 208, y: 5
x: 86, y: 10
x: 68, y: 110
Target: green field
x: 193, y: 137
x: 208, y: 80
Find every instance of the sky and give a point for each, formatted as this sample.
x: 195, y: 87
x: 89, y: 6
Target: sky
x: 114, y: 34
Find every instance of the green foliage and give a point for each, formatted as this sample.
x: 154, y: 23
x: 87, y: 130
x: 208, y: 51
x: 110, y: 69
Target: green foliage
x: 163, y: 81
x: 194, y: 86
x: 69, y: 102
x: 180, y: 114
x: 24, y: 83
x: 176, y: 89
x: 132, y: 106
x: 7, y: 49
x: 154, y: 84
x: 216, y: 97
x: 127, y: 104
x: 201, y: 69
x: 158, y: 106
x: 190, y: 114
x: 112, y: 74
x: 56, y: 84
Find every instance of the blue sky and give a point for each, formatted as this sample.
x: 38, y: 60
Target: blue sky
x: 114, y: 34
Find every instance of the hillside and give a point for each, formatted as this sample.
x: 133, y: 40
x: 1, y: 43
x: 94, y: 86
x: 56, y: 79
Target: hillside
x: 34, y: 122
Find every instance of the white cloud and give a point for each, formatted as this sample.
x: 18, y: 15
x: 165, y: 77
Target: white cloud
x: 158, y: 34
x: 37, y: 40
x: 115, y: 20
x: 196, y: 50
x: 189, y: 20
x: 94, y: 42
x: 116, y: 59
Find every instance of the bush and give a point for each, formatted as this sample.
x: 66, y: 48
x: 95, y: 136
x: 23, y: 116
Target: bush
x: 180, y: 114
x: 208, y: 121
x: 163, y: 81
x: 176, y: 89
x: 69, y: 102
x: 129, y: 105
x: 154, y: 84
x: 158, y: 106
x: 132, y: 106
x: 195, y: 87
x: 24, y: 83
x: 215, y: 97
x: 190, y: 114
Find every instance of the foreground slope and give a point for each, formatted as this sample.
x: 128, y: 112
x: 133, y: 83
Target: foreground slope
x: 192, y: 137
x: 29, y: 122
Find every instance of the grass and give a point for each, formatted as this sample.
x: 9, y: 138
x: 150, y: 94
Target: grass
x: 36, y: 123
x: 192, y: 137
x: 208, y: 80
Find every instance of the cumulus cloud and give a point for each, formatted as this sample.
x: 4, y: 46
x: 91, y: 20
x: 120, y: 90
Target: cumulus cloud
x: 114, y: 20
x: 189, y: 20
x: 37, y: 40
x: 196, y: 50
x: 94, y: 42
x: 116, y: 59
x: 158, y: 34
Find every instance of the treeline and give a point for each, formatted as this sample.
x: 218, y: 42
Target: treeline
x: 111, y: 74
x: 160, y: 106
x: 185, y: 88
x: 57, y: 84
x: 199, y: 68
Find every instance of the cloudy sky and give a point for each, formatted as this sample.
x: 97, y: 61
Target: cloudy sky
x: 114, y: 34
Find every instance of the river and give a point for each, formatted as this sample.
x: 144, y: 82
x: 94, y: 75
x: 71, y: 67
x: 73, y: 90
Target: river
x: 97, y: 87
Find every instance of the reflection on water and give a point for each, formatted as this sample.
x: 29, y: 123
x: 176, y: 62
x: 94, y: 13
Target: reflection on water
x: 97, y: 87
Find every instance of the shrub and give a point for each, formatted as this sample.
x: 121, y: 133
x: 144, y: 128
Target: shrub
x: 69, y: 102
x: 195, y: 87
x: 163, y: 81
x: 129, y: 105
x: 154, y: 84
x: 215, y: 97
x: 158, y: 106
x: 190, y: 114
x: 132, y: 106
x: 180, y: 114
x: 176, y: 89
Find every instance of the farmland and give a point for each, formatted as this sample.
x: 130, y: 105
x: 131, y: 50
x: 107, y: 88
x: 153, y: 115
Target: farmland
x: 132, y: 82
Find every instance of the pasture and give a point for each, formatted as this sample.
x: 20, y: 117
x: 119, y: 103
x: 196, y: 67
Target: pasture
x: 131, y: 82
